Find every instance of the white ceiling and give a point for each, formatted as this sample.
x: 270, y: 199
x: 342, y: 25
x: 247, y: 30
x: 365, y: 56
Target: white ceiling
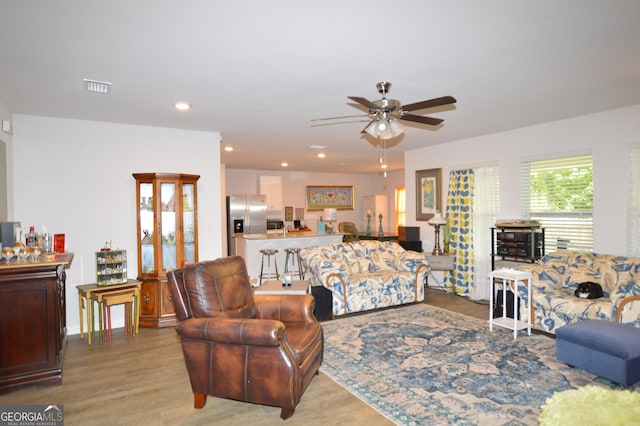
x: 258, y: 71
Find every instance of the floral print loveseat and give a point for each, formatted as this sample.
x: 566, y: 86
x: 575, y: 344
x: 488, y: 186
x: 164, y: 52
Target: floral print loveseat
x: 365, y: 275
x: 556, y: 276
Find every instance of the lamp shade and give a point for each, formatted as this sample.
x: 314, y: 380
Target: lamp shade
x: 384, y: 129
x: 330, y: 214
x: 437, y: 219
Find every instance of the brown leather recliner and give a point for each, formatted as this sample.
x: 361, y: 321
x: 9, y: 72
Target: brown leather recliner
x: 259, y: 349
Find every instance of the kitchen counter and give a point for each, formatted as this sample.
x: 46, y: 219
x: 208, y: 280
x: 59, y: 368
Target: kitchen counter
x: 289, y: 234
x: 45, y: 260
x: 249, y: 245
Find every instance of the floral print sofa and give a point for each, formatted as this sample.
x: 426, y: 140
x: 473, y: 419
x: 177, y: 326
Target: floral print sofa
x: 365, y: 275
x: 556, y: 276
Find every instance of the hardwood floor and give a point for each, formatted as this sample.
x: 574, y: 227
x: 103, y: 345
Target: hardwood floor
x: 144, y: 382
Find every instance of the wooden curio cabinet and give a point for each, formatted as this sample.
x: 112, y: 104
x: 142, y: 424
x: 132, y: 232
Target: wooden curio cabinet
x: 167, y: 239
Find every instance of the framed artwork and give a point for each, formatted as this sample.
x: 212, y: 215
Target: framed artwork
x: 288, y: 214
x: 325, y: 197
x: 428, y: 193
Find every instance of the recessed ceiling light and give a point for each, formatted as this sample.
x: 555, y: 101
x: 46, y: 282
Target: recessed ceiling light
x: 228, y: 148
x: 284, y: 164
x: 182, y: 106
x: 321, y: 155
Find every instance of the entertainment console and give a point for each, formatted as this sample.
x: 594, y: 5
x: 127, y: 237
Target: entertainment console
x: 518, y: 244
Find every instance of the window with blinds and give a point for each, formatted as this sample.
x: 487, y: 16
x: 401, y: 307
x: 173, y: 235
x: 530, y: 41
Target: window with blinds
x: 400, y: 208
x: 633, y: 202
x: 559, y: 194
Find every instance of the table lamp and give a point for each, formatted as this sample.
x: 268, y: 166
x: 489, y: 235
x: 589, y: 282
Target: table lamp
x: 329, y: 216
x: 437, y: 221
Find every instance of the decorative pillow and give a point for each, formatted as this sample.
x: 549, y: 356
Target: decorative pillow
x: 382, y: 261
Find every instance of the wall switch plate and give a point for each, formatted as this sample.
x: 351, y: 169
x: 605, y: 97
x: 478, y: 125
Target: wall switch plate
x: 6, y: 126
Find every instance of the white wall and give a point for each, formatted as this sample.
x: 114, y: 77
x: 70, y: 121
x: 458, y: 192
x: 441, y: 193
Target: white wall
x: 75, y: 177
x: 605, y: 135
x: 242, y: 181
x: 6, y: 169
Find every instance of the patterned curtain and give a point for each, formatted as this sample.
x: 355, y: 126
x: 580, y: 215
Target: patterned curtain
x: 460, y: 215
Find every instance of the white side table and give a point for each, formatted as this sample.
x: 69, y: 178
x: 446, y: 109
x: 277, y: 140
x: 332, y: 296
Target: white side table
x: 275, y: 287
x: 510, y: 276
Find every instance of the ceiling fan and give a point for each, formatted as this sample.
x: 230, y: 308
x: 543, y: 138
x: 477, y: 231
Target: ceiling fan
x: 384, y: 113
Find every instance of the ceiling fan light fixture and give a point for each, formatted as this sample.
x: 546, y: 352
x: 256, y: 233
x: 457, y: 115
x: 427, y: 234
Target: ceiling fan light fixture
x: 396, y: 128
x: 384, y: 129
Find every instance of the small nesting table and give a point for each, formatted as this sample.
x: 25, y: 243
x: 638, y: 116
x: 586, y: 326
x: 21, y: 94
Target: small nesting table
x: 85, y: 293
x: 510, y: 276
x: 275, y: 287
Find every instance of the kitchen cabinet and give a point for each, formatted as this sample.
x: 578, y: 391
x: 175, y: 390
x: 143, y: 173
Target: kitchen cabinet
x: 271, y: 186
x: 167, y: 226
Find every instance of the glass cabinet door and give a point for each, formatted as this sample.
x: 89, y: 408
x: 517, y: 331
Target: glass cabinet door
x: 167, y: 239
x: 188, y: 223
x: 168, y: 226
x: 147, y: 228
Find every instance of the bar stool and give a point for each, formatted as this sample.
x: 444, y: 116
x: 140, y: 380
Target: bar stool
x: 269, y: 254
x: 294, y: 254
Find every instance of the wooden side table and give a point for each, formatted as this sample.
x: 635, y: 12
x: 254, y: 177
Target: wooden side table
x: 85, y: 291
x: 275, y: 287
x: 509, y: 276
x: 375, y: 237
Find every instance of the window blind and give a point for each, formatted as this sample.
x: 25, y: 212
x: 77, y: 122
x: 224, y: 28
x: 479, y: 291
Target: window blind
x: 633, y: 202
x: 559, y: 193
x: 401, y: 213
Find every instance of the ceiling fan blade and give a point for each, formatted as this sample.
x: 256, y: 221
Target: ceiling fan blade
x: 340, y: 122
x: 445, y: 100
x: 420, y: 119
x: 364, y: 102
x: 337, y: 118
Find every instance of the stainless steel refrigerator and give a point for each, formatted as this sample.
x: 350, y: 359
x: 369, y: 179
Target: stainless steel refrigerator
x: 246, y: 214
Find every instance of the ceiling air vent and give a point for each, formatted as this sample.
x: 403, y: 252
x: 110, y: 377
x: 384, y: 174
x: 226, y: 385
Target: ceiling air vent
x: 97, y: 86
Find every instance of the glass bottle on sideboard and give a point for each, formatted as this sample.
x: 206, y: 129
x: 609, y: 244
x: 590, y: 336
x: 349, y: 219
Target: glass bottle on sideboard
x: 167, y: 225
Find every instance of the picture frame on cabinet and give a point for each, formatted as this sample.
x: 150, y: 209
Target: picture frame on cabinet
x: 428, y: 193
x: 323, y: 197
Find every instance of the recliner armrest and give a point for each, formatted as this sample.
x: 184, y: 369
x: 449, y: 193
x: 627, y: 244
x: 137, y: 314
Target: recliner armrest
x: 295, y: 308
x: 238, y: 331
x: 409, y: 261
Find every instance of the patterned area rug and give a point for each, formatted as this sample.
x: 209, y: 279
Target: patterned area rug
x: 423, y: 365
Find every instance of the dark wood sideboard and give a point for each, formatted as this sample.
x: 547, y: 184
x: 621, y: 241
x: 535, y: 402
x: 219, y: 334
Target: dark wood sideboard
x: 33, y: 324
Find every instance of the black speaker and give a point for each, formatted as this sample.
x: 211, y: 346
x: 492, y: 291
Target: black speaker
x: 324, y: 302
x: 499, y: 303
x: 409, y: 233
x: 411, y: 245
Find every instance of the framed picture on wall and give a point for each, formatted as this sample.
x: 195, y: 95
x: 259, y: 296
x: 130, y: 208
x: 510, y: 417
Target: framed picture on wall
x: 428, y: 193
x: 324, y: 197
x: 288, y: 214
